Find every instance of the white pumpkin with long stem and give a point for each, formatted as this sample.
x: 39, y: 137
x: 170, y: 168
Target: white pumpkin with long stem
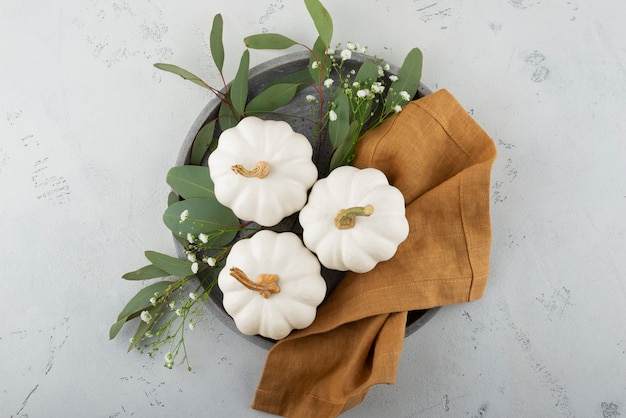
x: 262, y: 170
x: 272, y: 284
x: 354, y: 219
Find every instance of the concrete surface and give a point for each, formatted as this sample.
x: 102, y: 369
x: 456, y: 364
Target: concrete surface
x: 88, y: 129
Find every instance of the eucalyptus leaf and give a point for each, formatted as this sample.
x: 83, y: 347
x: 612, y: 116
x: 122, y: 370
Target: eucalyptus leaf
x: 216, y: 43
x: 172, y: 265
x: 206, y: 216
x: 321, y: 19
x: 318, y: 53
x: 367, y: 72
x: 344, y: 153
x: 269, y: 41
x: 408, y: 80
x: 239, y: 88
x: 339, y: 128
x: 191, y: 181
x: 141, y: 301
x: 202, y: 143
x: 174, y: 69
x: 226, y: 116
x: 116, y: 328
x: 301, y: 78
x: 272, y: 97
x: 147, y: 272
x: 172, y: 198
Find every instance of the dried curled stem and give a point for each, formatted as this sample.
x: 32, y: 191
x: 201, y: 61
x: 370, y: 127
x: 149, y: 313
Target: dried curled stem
x: 266, y: 285
x: 260, y: 170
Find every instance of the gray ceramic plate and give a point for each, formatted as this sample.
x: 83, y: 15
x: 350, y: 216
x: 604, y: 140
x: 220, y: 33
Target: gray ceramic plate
x: 299, y: 111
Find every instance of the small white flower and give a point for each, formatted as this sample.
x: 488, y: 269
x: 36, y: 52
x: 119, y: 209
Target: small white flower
x: 380, y: 71
x: 194, y: 268
x: 169, y: 360
x: 172, y: 304
x: 153, y: 301
x: 184, y: 216
x: 362, y: 93
x: 148, y: 334
x: 332, y: 115
x: 193, y: 296
x: 203, y: 237
x: 346, y: 54
x: 190, y: 238
x: 191, y: 257
x: 310, y: 98
x: 397, y: 108
x: 179, y: 312
x: 405, y: 96
x: 328, y: 82
x: 351, y: 45
x: 191, y: 326
x: 210, y: 261
x: 330, y: 51
x: 386, y: 67
x: 146, y: 316
x: 356, y: 84
x: 315, y: 64
x: 377, y: 87
x: 393, y: 77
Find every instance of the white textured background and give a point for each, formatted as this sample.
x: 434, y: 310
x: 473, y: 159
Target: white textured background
x: 88, y: 130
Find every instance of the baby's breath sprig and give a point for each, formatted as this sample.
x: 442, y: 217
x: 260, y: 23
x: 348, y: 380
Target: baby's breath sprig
x: 177, y: 312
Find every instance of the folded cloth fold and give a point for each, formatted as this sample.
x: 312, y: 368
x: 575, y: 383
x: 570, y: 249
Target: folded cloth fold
x: 440, y: 159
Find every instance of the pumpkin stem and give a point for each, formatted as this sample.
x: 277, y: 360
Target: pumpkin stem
x: 260, y: 170
x: 346, y: 217
x: 266, y: 285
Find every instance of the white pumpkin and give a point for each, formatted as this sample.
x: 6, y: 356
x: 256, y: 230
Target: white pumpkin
x: 354, y: 219
x: 272, y: 284
x: 262, y: 170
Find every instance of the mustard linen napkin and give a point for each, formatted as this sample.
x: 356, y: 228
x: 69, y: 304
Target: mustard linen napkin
x: 440, y: 159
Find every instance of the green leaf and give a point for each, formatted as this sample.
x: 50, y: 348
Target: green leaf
x: 216, y: 44
x: 338, y: 129
x: 367, y: 72
x: 174, y: 69
x: 408, y: 80
x: 172, y: 198
x: 207, y: 216
x: 148, y: 272
x: 321, y: 19
x: 190, y: 181
x: 318, y: 53
x: 344, y: 153
x: 202, y: 143
x: 116, y: 328
x: 226, y: 117
x: 239, y: 88
x: 172, y: 265
x: 141, y: 301
x: 272, y: 97
x: 302, y: 78
x: 269, y: 41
